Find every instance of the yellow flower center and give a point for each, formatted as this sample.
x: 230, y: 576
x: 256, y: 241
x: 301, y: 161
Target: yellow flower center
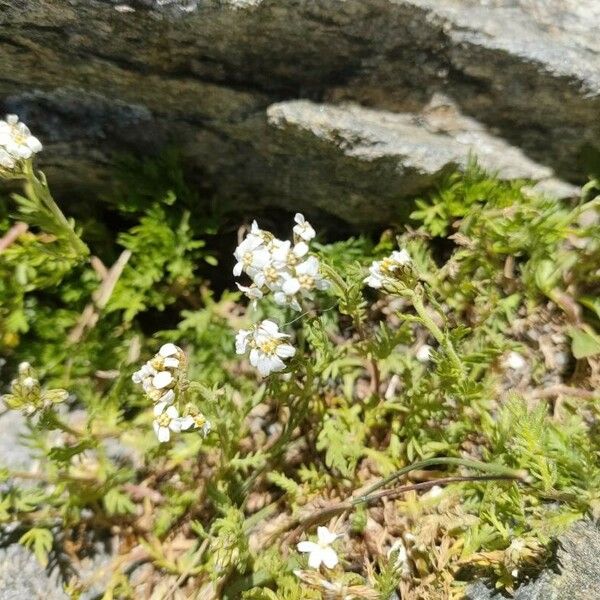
x: 306, y: 281
x: 271, y: 275
x: 164, y: 420
x: 269, y: 347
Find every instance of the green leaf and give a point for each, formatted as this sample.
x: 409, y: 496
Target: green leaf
x: 39, y: 540
x: 118, y: 503
x: 584, y: 342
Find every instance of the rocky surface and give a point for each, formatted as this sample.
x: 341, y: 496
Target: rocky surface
x: 95, y: 77
x: 575, y: 577
x: 23, y: 578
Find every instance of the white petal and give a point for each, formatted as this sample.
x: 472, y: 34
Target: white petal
x: 307, y: 546
x: 254, y: 357
x: 290, y: 286
x: 237, y: 269
x: 167, y: 398
x: 162, y: 380
x: 156, y: 427
x: 270, y: 327
x: 402, y: 257
x: 300, y: 249
x: 325, y: 536
x: 159, y: 408
x: 423, y: 353
x: 261, y: 258
x: 175, y: 425
x: 187, y: 422
x: 309, y: 267
x: 172, y: 412
x: 164, y: 435
x: 329, y: 557
x: 285, y: 350
x: 23, y: 151
x: 241, y: 341
x: 314, y: 559
x: 373, y: 281
x: 34, y: 144
x: 276, y: 364
x: 168, y: 350
x: 299, y: 218
x: 171, y: 362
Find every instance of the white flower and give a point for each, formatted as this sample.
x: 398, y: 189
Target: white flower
x: 251, y: 255
x: 321, y: 551
x: 306, y: 278
x: 194, y: 419
x: 423, y: 353
x: 166, y: 420
x: 303, y: 228
x: 284, y: 255
x: 160, y: 374
x: 382, y: 272
x: 267, y: 346
x: 515, y: 361
x: 251, y: 291
x: 16, y: 141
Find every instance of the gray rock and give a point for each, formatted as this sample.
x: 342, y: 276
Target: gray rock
x: 95, y: 77
x: 388, y: 156
x: 14, y: 454
x: 577, y: 576
x: 23, y: 578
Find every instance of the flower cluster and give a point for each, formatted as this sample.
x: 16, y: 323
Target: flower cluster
x: 27, y: 394
x: 268, y: 347
x: 16, y: 142
x: 386, y: 272
x: 163, y: 380
x: 281, y: 267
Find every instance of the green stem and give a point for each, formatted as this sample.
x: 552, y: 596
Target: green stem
x: 433, y: 328
x: 491, y: 468
x: 39, y: 191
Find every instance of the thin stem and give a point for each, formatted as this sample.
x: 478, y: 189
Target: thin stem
x: 459, y: 462
x: 433, y: 328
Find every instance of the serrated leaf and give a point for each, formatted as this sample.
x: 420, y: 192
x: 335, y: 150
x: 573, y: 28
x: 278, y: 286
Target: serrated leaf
x: 39, y: 540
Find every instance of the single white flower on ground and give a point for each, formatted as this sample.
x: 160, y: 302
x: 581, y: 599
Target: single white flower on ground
x: 321, y: 551
x: 382, y: 272
x: 515, y: 361
x: 268, y: 347
x: 303, y: 228
x: 166, y: 420
x: 16, y: 139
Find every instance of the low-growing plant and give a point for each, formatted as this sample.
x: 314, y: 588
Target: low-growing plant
x: 373, y: 419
